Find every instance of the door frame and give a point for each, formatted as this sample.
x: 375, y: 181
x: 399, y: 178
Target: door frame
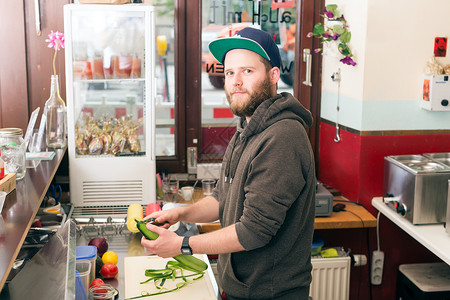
x: 309, y: 96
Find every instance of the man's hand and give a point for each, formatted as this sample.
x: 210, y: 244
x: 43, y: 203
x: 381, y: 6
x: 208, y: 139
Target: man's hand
x: 166, y: 217
x: 168, y: 244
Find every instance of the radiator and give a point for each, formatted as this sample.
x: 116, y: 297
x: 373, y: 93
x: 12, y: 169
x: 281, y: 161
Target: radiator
x: 330, y: 278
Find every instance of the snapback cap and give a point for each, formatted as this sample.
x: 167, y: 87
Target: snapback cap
x: 251, y: 39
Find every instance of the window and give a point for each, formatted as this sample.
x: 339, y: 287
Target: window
x: 222, y: 19
x: 192, y: 111
x: 165, y: 79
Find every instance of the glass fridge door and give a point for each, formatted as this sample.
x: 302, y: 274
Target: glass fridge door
x: 110, y: 103
x: 109, y: 82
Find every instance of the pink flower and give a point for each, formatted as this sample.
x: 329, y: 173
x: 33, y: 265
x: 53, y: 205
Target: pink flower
x: 56, y: 40
x: 310, y: 34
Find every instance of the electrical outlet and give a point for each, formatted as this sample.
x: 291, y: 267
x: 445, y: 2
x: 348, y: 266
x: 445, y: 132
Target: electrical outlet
x: 376, y: 274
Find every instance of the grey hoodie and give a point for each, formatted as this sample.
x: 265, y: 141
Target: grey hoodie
x: 267, y: 188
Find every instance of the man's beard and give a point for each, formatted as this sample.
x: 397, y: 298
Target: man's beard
x: 261, y: 93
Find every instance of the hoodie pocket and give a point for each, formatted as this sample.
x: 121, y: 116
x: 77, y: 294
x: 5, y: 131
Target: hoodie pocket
x: 228, y: 279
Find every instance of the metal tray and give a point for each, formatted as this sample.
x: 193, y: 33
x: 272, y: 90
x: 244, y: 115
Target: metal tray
x: 418, y: 163
x: 443, y: 158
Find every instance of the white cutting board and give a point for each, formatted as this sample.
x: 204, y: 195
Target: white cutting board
x: 135, y: 266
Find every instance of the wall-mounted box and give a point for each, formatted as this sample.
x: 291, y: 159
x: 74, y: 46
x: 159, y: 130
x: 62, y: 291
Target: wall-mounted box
x: 436, y: 93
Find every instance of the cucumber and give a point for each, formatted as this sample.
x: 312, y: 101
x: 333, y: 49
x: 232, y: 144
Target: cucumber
x: 191, y: 262
x: 186, y: 260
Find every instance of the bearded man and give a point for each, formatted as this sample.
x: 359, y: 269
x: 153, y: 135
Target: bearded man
x: 264, y: 198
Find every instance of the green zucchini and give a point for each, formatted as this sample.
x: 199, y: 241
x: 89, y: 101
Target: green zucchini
x: 189, y: 261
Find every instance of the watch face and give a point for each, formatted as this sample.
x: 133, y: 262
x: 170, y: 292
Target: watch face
x: 186, y: 251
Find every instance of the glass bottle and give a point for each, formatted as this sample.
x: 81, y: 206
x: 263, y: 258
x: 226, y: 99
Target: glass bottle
x: 55, y: 112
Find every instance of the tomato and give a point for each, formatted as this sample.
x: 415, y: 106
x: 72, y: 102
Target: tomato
x: 109, y: 270
x: 96, y: 281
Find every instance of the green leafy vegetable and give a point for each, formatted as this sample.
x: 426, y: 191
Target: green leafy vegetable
x: 173, y: 271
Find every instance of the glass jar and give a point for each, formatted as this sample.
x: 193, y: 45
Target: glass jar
x: 13, y: 150
x: 102, y: 292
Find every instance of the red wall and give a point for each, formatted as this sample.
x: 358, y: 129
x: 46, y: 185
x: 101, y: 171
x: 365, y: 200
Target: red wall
x: 355, y: 167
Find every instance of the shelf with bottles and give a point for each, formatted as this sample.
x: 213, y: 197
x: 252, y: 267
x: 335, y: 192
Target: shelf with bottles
x: 111, y: 80
x: 115, y: 67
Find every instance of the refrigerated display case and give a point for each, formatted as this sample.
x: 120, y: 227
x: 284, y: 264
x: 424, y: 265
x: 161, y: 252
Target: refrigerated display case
x: 110, y: 86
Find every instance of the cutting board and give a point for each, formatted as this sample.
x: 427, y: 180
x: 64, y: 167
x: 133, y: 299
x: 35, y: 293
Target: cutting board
x: 134, y: 273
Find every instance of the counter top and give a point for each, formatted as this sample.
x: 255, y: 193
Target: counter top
x: 433, y: 237
x: 354, y: 216
x: 21, y: 206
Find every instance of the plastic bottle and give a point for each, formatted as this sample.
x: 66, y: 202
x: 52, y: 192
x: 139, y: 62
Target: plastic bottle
x: 2, y: 167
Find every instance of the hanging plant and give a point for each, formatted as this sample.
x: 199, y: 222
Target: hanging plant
x: 337, y: 34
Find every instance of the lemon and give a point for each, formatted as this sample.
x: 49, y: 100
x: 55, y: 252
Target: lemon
x: 110, y: 257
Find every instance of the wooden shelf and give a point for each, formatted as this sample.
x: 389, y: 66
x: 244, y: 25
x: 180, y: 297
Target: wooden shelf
x: 20, y: 208
x: 354, y: 216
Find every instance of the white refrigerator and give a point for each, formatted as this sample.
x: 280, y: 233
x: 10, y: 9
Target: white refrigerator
x: 110, y: 84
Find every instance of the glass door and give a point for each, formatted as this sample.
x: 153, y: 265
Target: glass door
x: 224, y: 18
x: 110, y: 78
x: 109, y: 83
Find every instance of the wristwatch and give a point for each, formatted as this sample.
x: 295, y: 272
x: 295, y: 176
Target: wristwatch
x: 185, y: 248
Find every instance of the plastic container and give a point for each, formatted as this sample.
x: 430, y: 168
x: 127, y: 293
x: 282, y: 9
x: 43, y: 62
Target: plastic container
x: 83, y: 271
x: 317, y: 245
x: 88, y: 253
x: 80, y: 290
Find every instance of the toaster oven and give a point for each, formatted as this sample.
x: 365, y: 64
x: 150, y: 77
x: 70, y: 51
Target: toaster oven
x: 416, y: 187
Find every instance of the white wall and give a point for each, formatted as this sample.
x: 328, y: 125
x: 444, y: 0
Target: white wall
x: 391, y: 41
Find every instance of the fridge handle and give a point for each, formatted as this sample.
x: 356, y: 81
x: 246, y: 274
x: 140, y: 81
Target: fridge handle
x: 37, y: 17
x: 307, y: 57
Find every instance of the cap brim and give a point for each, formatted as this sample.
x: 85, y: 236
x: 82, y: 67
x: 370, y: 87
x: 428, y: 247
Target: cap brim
x: 221, y: 46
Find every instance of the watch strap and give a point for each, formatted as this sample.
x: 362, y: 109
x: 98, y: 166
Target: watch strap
x: 185, y: 248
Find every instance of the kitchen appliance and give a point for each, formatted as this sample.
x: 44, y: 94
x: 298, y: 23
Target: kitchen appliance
x: 110, y: 83
x: 436, y: 92
x: 416, y: 187
x: 324, y: 201
x: 423, y: 281
x: 443, y: 158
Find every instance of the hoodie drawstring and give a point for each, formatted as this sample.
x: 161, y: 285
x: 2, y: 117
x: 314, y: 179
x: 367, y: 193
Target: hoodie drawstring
x: 236, y: 153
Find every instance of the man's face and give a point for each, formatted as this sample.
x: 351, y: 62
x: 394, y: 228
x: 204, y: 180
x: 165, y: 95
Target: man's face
x: 247, y: 82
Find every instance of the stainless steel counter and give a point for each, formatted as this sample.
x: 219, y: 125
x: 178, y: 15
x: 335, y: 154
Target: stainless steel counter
x: 128, y: 244
x: 21, y: 206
